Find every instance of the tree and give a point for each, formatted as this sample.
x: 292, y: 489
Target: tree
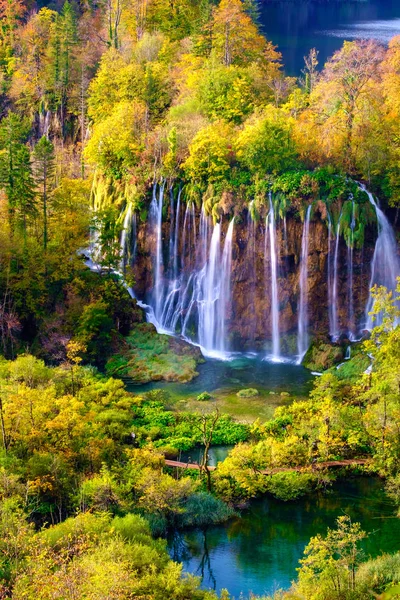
x: 236, y: 39
x: 24, y: 189
x: 329, y: 565
x: 44, y: 166
x: 15, y: 167
x: 11, y: 12
x: 265, y: 144
x: 310, y: 71
x: 206, y: 424
x: 344, y: 111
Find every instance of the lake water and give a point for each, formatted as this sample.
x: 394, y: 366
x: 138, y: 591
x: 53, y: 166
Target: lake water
x: 259, y: 552
x: 276, y: 384
x: 296, y: 26
x: 238, y: 373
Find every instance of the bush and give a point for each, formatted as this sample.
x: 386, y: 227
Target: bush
x: 204, y: 396
x: 291, y: 485
x: 248, y: 393
x: 204, y: 509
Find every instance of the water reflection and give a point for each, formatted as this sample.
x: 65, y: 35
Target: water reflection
x: 297, y: 26
x: 260, y: 551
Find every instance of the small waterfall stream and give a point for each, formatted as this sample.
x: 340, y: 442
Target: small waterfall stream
x: 270, y: 225
x: 334, y: 322
x: 124, y: 236
x: 156, y: 210
x: 350, y: 276
x: 385, y: 267
x: 329, y: 274
x: 302, y: 331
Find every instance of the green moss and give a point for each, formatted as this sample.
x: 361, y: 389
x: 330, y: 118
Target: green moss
x: 148, y: 356
x: 322, y: 355
x: 247, y: 393
x: 352, y: 369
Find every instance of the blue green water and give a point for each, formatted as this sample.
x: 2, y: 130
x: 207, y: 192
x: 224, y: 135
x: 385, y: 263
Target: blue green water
x: 259, y: 552
x: 296, y: 26
x: 234, y: 375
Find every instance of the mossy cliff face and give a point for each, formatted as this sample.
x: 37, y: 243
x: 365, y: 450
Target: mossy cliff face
x: 249, y: 311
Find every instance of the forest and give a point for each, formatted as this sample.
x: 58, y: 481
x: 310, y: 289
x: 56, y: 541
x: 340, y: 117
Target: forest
x: 113, y: 115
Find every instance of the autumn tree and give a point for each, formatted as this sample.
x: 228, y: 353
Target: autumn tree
x: 236, y: 39
x: 344, y: 106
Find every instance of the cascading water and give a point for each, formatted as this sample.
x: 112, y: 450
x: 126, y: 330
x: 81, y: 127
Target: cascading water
x: 329, y: 273
x: 385, y: 267
x: 271, y: 226
x: 124, y: 236
x: 333, y: 313
x: 302, y: 330
x: 192, y: 289
x: 156, y: 209
x: 251, y: 259
x: 173, y: 286
x: 207, y: 304
x: 215, y: 294
x: 350, y: 276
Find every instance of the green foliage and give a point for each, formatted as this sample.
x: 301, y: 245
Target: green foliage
x: 291, y: 485
x: 321, y: 356
x: 329, y: 564
x: 247, y: 393
x: 149, y: 356
x: 204, y: 396
x: 202, y: 510
x: 265, y: 145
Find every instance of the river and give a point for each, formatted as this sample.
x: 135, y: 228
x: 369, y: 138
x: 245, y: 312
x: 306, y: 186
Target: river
x: 259, y: 552
x: 296, y: 26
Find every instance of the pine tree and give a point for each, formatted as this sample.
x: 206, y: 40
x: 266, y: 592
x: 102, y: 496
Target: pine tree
x: 15, y: 169
x: 44, y: 167
x: 25, y: 197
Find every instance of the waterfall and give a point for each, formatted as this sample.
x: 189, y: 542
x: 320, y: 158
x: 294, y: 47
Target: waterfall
x: 350, y: 277
x: 207, y: 307
x: 329, y: 274
x: 133, y: 238
x: 302, y: 333
x: 191, y: 291
x: 334, y: 324
x: 156, y: 209
x: 251, y: 260
x: 225, y: 290
x: 270, y: 224
x: 385, y: 267
x: 124, y: 236
x: 174, y: 284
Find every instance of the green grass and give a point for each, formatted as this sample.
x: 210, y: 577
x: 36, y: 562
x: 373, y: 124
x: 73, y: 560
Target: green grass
x: 242, y: 409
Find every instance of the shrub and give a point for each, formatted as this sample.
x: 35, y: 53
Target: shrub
x: 248, y: 393
x: 291, y: 485
x: 204, y: 396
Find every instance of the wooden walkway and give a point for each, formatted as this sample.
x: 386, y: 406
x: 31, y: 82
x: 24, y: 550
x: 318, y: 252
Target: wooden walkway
x: 316, y: 466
